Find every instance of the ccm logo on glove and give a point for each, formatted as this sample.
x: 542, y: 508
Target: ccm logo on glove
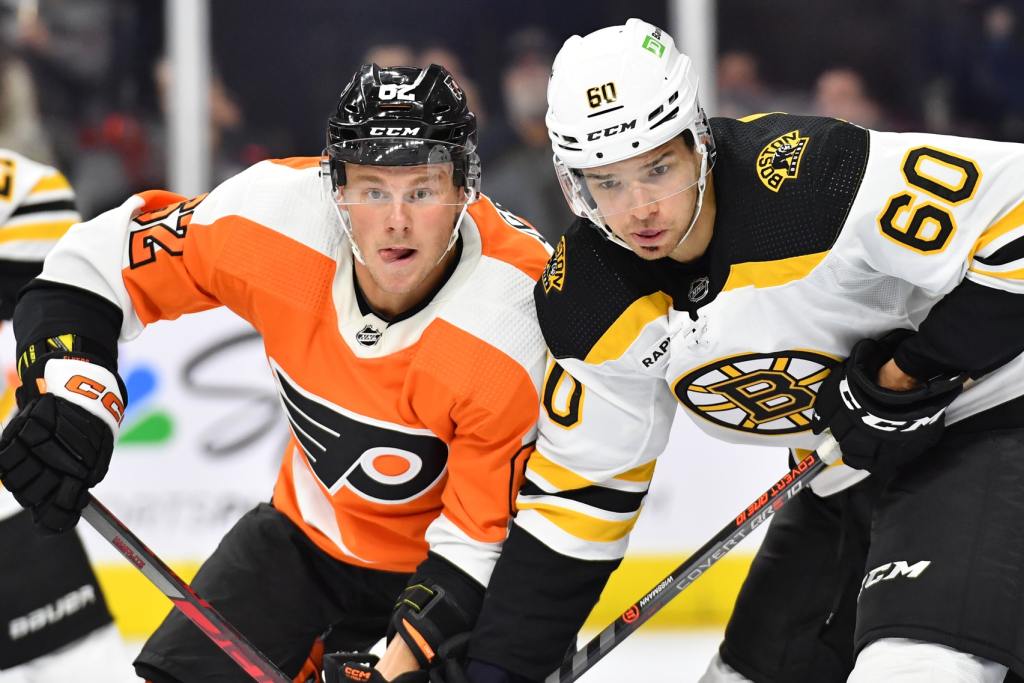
x: 87, y: 385
x: 881, y: 423
x: 94, y: 390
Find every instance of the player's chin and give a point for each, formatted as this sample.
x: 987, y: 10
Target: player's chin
x: 651, y: 253
x: 398, y: 283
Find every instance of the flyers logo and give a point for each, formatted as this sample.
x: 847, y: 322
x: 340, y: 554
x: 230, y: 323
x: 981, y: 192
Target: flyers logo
x: 765, y: 393
x: 378, y: 461
x: 162, y: 229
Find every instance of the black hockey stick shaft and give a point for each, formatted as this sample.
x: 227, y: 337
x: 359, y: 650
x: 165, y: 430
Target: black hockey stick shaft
x: 751, y: 517
x: 197, y: 610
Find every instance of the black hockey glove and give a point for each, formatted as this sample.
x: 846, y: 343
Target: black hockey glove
x: 880, y: 430
x: 59, y: 444
x: 343, y: 667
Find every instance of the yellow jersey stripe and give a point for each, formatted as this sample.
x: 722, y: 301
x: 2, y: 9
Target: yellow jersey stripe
x: 1017, y: 274
x: 772, y: 273
x: 639, y: 474
x: 624, y: 331
x: 50, y: 230
x: 582, y: 526
x: 561, y: 477
x: 50, y: 183
x: 754, y: 117
x: 1013, y: 219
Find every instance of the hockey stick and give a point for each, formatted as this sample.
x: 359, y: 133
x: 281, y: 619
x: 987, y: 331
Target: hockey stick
x: 694, y: 567
x: 198, y: 611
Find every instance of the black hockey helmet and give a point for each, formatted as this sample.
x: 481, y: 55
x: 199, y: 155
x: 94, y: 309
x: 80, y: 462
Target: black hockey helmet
x: 403, y: 116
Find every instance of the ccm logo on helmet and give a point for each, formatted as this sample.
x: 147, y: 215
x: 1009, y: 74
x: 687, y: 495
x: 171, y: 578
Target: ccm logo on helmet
x: 611, y: 130
x: 394, y: 131
x: 90, y: 388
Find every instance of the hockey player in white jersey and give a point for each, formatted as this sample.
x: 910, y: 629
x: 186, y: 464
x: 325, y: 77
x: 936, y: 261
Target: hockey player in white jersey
x: 53, y: 616
x: 777, y: 276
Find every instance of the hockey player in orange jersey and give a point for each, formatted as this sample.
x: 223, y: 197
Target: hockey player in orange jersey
x: 395, y: 305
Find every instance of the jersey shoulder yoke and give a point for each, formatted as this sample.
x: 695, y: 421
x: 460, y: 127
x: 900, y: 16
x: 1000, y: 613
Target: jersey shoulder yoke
x: 588, y: 285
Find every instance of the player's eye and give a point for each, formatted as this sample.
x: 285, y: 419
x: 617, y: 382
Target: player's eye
x: 422, y: 194
x: 660, y: 169
x: 609, y: 185
x: 375, y: 195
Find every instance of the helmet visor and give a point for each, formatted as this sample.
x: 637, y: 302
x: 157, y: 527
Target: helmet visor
x: 633, y: 185
x: 385, y: 170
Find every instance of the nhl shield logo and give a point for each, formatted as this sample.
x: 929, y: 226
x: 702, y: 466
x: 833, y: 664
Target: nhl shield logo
x: 554, y: 273
x: 369, y: 335
x: 779, y: 161
x: 699, y: 289
x: 762, y: 393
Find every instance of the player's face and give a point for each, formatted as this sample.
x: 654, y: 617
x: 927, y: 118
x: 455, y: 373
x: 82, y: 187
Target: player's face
x: 648, y: 200
x: 402, y: 219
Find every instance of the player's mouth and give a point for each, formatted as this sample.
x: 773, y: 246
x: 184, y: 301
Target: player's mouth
x: 396, y: 254
x: 648, y: 238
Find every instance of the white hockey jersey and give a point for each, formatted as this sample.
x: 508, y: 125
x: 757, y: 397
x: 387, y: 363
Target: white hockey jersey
x: 36, y: 208
x: 825, y: 233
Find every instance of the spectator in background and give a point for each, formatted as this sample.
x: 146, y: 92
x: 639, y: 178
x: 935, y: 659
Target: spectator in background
x: 523, y: 173
x: 439, y: 54
x: 19, y: 116
x: 841, y: 93
x: 125, y: 153
x: 68, y: 47
x: 997, y: 73
x: 390, y: 54
x: 740, y: 90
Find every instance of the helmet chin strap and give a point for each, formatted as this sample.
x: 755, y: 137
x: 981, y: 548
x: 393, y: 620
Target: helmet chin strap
x: 455, y: 232
x: 346, y: 227
x: 701, y: 184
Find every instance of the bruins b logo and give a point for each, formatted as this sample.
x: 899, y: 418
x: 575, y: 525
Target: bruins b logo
x: 780, y: 159
x: 766, y: 393
x: 554, y: 273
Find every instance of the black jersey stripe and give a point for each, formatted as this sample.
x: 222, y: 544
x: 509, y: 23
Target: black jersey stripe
x: 609, y: 500
x: 1008, y: 253
x: 44, y: 207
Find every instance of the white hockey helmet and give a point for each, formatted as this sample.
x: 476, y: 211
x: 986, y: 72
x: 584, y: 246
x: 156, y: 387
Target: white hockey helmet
x: 617, y: 93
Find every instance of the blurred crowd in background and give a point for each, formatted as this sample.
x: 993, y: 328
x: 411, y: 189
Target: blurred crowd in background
x: 83, y: 83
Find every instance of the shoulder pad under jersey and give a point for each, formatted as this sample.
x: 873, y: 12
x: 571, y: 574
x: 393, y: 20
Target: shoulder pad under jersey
x: 784, y: 184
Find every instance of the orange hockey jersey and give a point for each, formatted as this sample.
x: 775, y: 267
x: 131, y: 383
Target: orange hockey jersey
x: 404, y: 435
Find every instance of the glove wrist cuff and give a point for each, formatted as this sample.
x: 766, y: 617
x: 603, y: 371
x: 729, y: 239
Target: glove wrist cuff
x: 87, y: 385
